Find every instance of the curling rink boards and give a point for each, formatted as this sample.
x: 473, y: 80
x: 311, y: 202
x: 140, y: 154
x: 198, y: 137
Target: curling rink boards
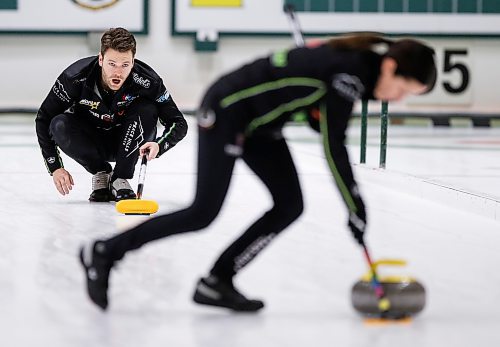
x: 436, y: 205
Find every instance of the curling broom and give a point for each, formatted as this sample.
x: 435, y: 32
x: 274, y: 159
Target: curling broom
x: 138, y: 206
x: 383, y: 303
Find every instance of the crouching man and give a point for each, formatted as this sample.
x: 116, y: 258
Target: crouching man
x: 104, y: 109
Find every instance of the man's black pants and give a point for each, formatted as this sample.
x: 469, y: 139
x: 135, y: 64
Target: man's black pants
x: 94, y: 147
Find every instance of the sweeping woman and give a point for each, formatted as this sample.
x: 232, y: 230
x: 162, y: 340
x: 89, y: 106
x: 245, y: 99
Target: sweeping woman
x: 241, y: 116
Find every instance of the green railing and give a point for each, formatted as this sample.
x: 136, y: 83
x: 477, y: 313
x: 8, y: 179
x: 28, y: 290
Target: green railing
x: 384, y: 121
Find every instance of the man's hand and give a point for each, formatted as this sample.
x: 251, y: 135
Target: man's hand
x: 152, y: 148
x: 63, y: 181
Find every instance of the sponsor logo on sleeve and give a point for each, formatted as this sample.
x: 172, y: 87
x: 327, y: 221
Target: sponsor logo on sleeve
x: 164, y: 97
x: 60, y: 92
x: 144, y: 82
x: 51, y: 160
x: 348, y: 86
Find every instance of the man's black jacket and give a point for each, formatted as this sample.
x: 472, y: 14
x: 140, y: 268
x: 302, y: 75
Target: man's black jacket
x: 75, y: 91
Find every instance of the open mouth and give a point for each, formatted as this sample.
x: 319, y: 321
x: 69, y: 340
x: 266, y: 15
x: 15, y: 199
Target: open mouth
x: 116, y: 81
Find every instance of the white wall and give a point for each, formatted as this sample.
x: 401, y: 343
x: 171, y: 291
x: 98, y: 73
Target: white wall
x: 30, y: 64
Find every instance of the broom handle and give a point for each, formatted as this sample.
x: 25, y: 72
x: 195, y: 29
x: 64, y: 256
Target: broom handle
x: 142, y: 175
x: 377, y: 287
x: 294, y: 24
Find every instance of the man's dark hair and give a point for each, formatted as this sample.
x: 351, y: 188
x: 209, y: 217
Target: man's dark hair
x: 119, y: 39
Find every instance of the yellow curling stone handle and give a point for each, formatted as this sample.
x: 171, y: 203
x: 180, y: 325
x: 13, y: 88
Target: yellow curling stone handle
x: 367, y: 277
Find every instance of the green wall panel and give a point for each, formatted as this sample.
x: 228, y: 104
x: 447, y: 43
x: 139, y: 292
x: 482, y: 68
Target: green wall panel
x: 8, y: 4
x: 393, y: 6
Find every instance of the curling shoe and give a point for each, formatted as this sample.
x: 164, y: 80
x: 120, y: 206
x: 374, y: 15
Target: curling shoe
x: 97, y: 268
x: 213, y: 292
x: 100, y: 187
x: 121, y: 190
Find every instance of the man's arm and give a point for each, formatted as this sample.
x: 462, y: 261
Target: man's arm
x: 57, y: 101
x: 172, y: 119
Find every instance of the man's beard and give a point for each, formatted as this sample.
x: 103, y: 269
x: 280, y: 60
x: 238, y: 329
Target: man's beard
x: 107, y: 83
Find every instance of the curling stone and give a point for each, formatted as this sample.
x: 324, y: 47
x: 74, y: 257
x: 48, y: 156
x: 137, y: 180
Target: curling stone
x: 405, y: 294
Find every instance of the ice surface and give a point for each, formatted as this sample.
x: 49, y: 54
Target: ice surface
x: 304, y: 276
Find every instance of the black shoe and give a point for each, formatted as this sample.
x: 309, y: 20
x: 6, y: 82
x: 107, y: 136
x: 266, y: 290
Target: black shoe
x: 101, y: 195
x: 210, y: 291
x: 100, y: 188
x: 97, y: 268
x: 121, y: 190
